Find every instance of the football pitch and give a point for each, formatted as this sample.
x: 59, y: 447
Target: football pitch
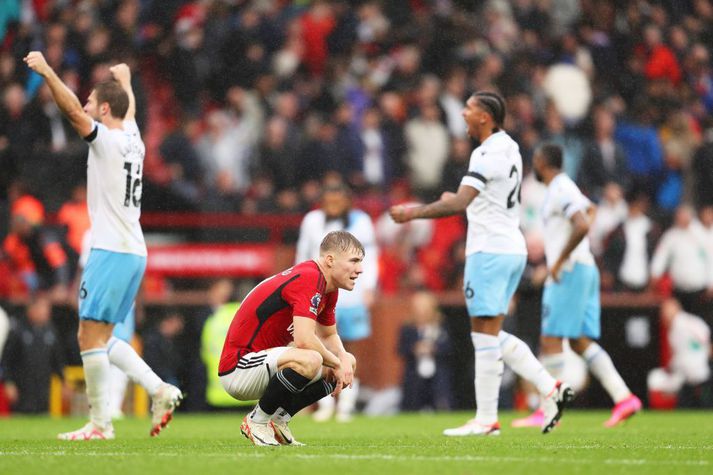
x: 651, y: 443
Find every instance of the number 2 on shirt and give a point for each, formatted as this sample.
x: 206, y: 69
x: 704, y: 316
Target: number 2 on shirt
x: 516, y: 188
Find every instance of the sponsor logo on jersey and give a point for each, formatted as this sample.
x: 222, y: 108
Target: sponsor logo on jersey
x: 314, y: 303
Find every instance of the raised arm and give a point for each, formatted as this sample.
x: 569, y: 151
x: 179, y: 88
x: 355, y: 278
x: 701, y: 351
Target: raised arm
x: 122, y: 73
x: 66, y: 100
x: 449, y: 205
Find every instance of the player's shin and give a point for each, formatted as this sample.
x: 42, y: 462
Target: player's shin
x: 518, y: 356
x: 488, y: 376
x: 123, y: 356
x: 282, y: 388
x: 96, y: 374
x: 311, y: 394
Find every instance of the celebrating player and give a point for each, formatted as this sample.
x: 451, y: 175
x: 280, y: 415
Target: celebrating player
x: 117, y: 260
x: 282, y: 345
x: 495, y: 260
x: 570, y: 303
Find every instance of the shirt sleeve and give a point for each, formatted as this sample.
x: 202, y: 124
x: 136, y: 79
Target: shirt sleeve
x: 303, y: 296
x: 99, y: 139
x: 479, y: 171
x: 328, y: 317
x: 571, y: 201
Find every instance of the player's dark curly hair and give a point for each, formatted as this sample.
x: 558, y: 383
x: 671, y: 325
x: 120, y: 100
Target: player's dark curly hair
x: 493, y: 103
x: 113, y: 94
x: 552, y: 153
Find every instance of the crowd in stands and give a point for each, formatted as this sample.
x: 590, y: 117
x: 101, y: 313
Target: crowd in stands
x: 246, y: 106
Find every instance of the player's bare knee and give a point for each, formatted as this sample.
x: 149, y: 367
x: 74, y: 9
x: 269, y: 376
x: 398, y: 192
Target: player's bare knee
x: 580, y: 345
x: 313, y: 363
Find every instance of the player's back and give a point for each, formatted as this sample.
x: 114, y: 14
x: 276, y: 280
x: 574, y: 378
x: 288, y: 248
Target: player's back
x: 495, y: 170
x: 562, y: 201
x: 265, y: 317
x: 114, y: 188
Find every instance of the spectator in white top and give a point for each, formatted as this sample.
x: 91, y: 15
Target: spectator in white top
x: 628, y: 248
x: 682, y: 252
x: 428, y: 147
x: 353, y: 308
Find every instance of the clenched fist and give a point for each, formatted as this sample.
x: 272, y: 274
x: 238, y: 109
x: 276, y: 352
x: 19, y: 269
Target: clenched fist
x: 36, y: 61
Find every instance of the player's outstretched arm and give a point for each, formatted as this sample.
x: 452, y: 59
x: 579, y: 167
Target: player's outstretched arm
x: 66, y: 100
x: 122, y: 73
x: 449, y: 205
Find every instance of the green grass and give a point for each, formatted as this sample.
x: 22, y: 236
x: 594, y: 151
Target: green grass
x: 651, y: 443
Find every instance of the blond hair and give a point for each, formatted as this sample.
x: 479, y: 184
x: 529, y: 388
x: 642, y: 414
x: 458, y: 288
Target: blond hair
x: 341, y: 241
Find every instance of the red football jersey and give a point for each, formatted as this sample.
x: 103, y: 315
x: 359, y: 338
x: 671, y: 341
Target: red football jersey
x: 264, y: 319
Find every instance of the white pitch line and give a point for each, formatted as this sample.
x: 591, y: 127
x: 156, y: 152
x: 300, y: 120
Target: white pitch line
x: 380, y: 457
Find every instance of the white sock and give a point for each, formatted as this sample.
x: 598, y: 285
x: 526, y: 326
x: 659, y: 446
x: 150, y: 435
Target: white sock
x: 118, y: 381
x: 554, y: 364
x: 602, y: 367
x: 126, y: 359
x: 96, y: 377
x: 348, y: 398
x: 519, y: 357
x: 259, y: 416
x: 488, y: 375
x: 281, y: 415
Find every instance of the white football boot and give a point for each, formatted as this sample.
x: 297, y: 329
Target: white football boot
x: 262, y: 435
x: 90, y: 431
x: 165, y: 401
x: 283, y: 434
x: 473, y: 428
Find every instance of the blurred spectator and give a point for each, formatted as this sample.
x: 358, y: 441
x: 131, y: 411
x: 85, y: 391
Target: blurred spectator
x: 214, y: 330
x: 428, y: 147
x: 34, y: 253
x: 660, y: 62
x: 277, y: 156
x: 557, y: 132
x: 375, y: 166
x: 194, y: 374
x: 74, y: 215
x: 642, y: 148
x: 452, y: 102
x: 687, y: 374
x: 628, y: 248
x: 703, y: 168
x: 682, y: 253
x: 179, y: 151
x: 604, y: 160
x: 457, y: 165
x: 225, y: 150
x: 161, y: 352
x: 32, y: 354
x: 18, y: 132
x: 611, y: 211
x: 425, y: 348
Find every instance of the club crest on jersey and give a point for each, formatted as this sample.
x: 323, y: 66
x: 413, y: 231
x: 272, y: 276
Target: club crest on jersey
x: 314, y: 303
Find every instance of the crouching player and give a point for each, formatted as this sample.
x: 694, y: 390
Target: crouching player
x: 282, y: 346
